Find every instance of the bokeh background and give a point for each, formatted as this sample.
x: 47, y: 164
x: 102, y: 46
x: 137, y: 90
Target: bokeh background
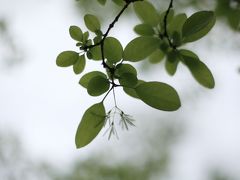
x: 41, y: 105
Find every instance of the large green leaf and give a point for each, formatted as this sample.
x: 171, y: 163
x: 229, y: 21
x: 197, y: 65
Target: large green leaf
x: 92, y: 22
x: 144, y: 30
x: 79, y: 66
x: 76, y: 33
x: 113, y: 50
x: 198, y: 69
x: 98, y: 85
x: 90, y: 125
x: 84, y: 81
x: 159, y: 95
x: 140, y: 48
x: 146, y: 12
x: 67, y: 58
x: 198, y: 25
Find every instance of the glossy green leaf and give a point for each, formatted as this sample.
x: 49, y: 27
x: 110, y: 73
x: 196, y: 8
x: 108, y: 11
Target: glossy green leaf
x: 128, y: 80
x: 79, y: 66
x: 125, y: 68
x: 146, y: 12
x: 90, y: 125
x: 92, y: 22
x: 131, y: 91
x: 156, y: 57
x: 144, y: 30
x: 84, y: 81
x: 76, y: 33
x: 98, y: 85
x: 140, y: 48
x: 198, y: 25
x: 159, y: 95
x: 67, y: 58
x: 113, y: 50
x: 198, y: 69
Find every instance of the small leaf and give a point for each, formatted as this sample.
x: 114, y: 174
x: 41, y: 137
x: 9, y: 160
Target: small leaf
x: 172, y: 62
x: 128, y: 80
x: 156, y: 57
x: 144, y: 30
x: 67, y: 58
x: 159, y: 95
x: 198, y: 69
x: 79, y: 66
x: 146, y: 12
x: 97, y: 86
x: 140, y: 48
x: 84, y: 81
x: 125, y: 68
x: 90, y: 125
x: 177, y: 23
x: 85, y: 37
x: 76, y: 33
x: 92, y: 22
x: 113, y: 50
x: 198, y: 25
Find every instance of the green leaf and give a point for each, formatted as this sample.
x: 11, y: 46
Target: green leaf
x: 144, y: 30
x: 159, y: 95
x: 67, y: 58
x: 131, y: 91
x: 156, y: 57
x: 146, y: 12
x: 96, y: 53
x: 98, y: 85
x: 85, y: 37
x: 102, y: 2
x: 84, y: 81
x: 125, y: 68
x: 198, y: 69
x: 128, y: 80
x: 140, y: 48
x: 172, y: 62
x: 79, y: 66
x: 113, y: 50
x: 91, y: 124
x: 76, y: 33
x: 198, y: 25
x: 119, y: 2
x: 92, y: 22
x: 177, y: 23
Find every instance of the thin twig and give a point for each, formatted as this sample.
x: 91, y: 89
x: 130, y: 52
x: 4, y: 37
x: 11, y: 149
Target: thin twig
x: 165, y: 24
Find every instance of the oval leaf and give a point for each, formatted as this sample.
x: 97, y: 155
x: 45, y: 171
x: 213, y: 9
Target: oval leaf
x: 131, y: 91
x: 146, y: 12
x: 159, y: 95
x: 113, y: 50
x: 97, y: 86
x: 67, y: 58
x: 144, y: 30
x: 198, y: 25
x: 76, y: 33
x: 92, y: 22
x: 140, y: 48
x: 90, y: 125
x: 156, y: 57
x: 79, y: 66
x: 125, y: 68
x: 198, y: 69
x: 87, y: 77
